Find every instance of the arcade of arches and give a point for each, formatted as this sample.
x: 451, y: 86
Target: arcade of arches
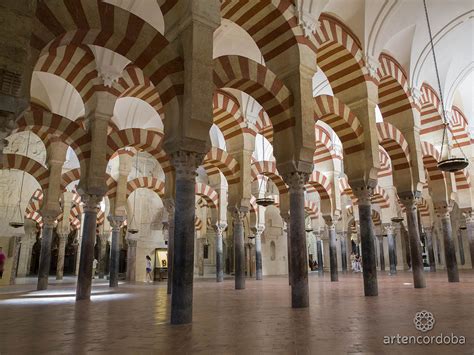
x: 156, y: 127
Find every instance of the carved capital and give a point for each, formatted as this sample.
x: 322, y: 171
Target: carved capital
x: 442, y: 210
x: 186, y: 163
x: 91, y: 202
x: 132, y: 243
x: 389, y: 229
x: 306, y: 20
x: 371, y: 65
x: 115, y: 222
x: 220, y: 227
x: 48, y: 221
x: 363, y: 194
x: 416, y: 95
x: 296, y: 181
x: 238, y: 213
x: 409, y: 200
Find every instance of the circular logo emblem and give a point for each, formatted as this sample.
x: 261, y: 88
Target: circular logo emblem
x: 424, y: 321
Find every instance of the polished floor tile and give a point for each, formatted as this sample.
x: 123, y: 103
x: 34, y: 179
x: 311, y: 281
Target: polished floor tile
x: 134, y: 319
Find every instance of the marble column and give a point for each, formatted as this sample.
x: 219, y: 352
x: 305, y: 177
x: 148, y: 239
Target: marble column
x: 462, y: 259
x: 299, y: 253
x: 390, y: 230
x: 331, y: 228
x: 430, y: 249
x: 319, y: 250
x: 131, y: 258
x: 220, y: 228
x: 16, y: 257
x: 170, y: 209
x: 200, y: 253
x: 26, y: 248
x: 115, y: 223
x: 470, y: 235
x: 258, y: 253
x: 286, y: 220
x: 381, y: 253
x: 238, y: 215
x: 185, y: 164
x: 61, y: 252
x: 449, y: 249
x: 84, y: 280
x: 343, y: 252
x: 45, y: 253
x: 102, y: 254
x: 369, y: 258
x: 409, y: 201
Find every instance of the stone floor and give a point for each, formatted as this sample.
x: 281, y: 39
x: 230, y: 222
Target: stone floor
x: 134, y: 318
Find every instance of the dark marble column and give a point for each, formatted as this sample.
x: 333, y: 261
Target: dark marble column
x: 84, y: 279
x: 369, y: 258
x: 170, y: 209
x: 45, y: 253
x: 409, y: 201
x: 430, y: 249
x: 319, y: 250
x: 299, y: 252
x: 462, y: 260
x: 61, y: 252
x: 449, y: 249
x: 286, y: 219
x: 331, y: 228
x: 131, y: 274
x: 343, y: 252
x: 102, y: 255
x: 381, y: 251
x: 115, y: 223
x: 185, y: 164
x: 220, y: 228
x: 470, y: 235
x: 258, y: 253
x: 392, y: 254
x: 238, y: 215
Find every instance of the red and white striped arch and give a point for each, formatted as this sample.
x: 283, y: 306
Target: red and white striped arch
x: 320, y: 183
x: 380, y: 197
x: 342, y: 120
x: 258, y: 81
x: 311, y: 209
x: 60, y: 23
x: 264, y: 126
x: 431, y: 111
x: 268, y: 169
x: 29, y: 166
x: 395, y: 144
x: 394, y: 93
x: 208, y: 194
x: 219, y: 160
x: 146, y: 182
x: 228, y: 116
x: 460, y: 129
x: 385, y: 167
x: 431, y: 157
x: 324, y: 147
x: 339, y: 54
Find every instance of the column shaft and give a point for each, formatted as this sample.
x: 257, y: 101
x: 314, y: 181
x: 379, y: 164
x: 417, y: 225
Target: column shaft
x: 219, y: 257
x: 429, y: 246
x: 45, y: 254
x: 449, y: 249
x: 102, y: 256
x: 84, y: 279
x: 332, y: 251
x: 131, y: 259
x: 391, y: 251
x: 114, y: 255
x: 239, y: 250
x: 170, y: 208
x: 258, y: 257
x: 343, y: 252
x: 414, y: 244
x: 61, y: 253
x: 470, y: 237
x: 382, y: 256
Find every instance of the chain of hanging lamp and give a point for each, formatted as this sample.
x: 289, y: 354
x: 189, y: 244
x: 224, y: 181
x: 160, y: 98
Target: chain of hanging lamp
x: 445, y: 120
x: 265, y: 200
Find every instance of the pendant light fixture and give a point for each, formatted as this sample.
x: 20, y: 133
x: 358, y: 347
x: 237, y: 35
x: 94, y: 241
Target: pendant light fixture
x: 451, y: 164
x: 132, y: 228
x: 18, y: 218
x: 264, y: 198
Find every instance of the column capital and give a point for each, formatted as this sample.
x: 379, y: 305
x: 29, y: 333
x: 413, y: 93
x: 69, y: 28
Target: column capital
x: 91, y: 202
x: 220, y: 227
x: 48, y: 221
x: 442, y: 209
x: 363, y: 194
x: 258, y: 230
x: 296, y: 181
x: 409, y: 199
x: 186, y: 163
x: 389, y: 228
x: 115, y: 222
x: 238, y: 213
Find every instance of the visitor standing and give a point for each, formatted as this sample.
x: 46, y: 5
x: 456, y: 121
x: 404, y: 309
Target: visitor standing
x: 94, y: 267
x: 148, y: 269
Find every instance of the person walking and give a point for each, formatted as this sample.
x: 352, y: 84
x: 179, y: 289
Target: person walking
x: 94, y: 267
x: 149, y: 277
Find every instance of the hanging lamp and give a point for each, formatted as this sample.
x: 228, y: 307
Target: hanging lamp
x: 267, y: 199
x: 18, y: 220
x: 132, y: 229
x: 397, y: 219
x: 451, y: 164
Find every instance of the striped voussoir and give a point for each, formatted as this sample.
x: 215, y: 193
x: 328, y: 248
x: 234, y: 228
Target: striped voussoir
x: 218, y: 160
x: 111, y: 187
x: 345, y: 189
x: 380, y: 197
x: 324, y: 146
x: 208, y: 194
x: 394, y: 92
x: 134, y: 83
x: 146, y: 182
x: 423, y: 207
x: 342, y: 120
x: 431, y: 110
x: 228, y: 116
x: 339, y: 54
x: 395, y: 144
x: 70, y: 176
x: 272, y: 24
x: 264, y: 125
x: 320, y: 183
x: 459, y: 129
x: 198, y: 223
x: 385, y: 164
x: 30, y: 166
x: 269, y: 169
x: 236, y: 72
x: 74, y: 63
x: 122, y: 151
x: 463, y: 180
x: 60, y: 23
x: 376, y: 218
x: 141, y: 139
x: 311, y: 209
x: 431, y: 157
x: 34, y: 205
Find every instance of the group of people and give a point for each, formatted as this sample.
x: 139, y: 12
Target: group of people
x: 356, y: 262
x: 95, y: 263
